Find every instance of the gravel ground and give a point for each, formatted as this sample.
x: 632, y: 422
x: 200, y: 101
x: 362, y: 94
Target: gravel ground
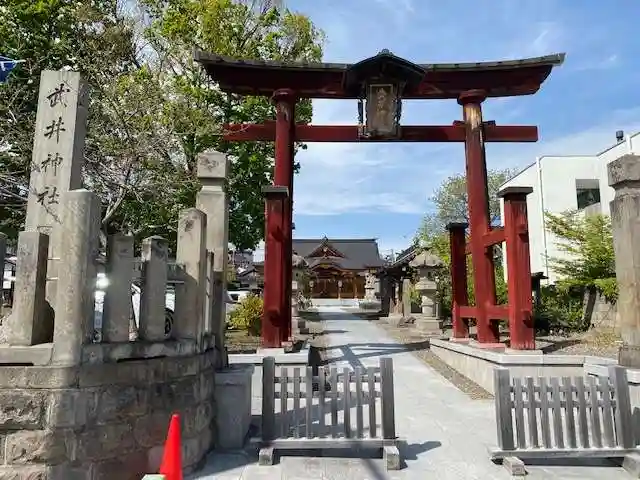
x: 417, y: 343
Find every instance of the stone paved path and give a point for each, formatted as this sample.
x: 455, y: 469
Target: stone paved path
x: 446, y: 433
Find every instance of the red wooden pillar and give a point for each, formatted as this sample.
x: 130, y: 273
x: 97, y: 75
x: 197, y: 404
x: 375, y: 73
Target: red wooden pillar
x: 460, y: 296
x: 274, y: 250
x: 285, y: 101
x: 521, y: 327
x: 476, y: 172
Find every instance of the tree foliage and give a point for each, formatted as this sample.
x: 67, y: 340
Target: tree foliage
x: 587, y: 244
x: 153, y: 109
x: 451, y: 205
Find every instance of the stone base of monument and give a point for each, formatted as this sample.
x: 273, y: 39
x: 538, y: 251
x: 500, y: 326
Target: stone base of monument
x: 629, y: 356
x: 233, y: 406
x: 299, y: 326
x: 393, y: 319
x: 300, y: 357
x: 428, y: 324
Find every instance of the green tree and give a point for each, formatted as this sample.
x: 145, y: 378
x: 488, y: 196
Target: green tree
x: 153, y: 110
x: 195, y: 109
x: 587, y: 244
x: 451, y: 205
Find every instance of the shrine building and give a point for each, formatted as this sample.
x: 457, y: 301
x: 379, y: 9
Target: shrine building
x: 338, y: 267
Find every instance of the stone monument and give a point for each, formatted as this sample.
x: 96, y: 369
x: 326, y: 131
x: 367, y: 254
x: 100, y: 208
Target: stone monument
x: 213, y: 168
x: 57, y: 158
x: 427, y: 265
x: 624, y: 177
x: 298, y: 265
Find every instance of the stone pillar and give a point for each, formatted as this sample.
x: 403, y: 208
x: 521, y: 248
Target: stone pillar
x: 192, y: 257
x: 295, y: 313
x: 57, y: 159
x: 154, y: 289
x: 213, y: 168
x: 26, y: 324
x: 369, y: 287
x: 624, y: 177
x: 75, y: 300
x: 406, y: 297
x: 117, y: 299
x: 3, y: 253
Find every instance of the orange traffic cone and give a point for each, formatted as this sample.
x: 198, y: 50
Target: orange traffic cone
x: 171, y: 466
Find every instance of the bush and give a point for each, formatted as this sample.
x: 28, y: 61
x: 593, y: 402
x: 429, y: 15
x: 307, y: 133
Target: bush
x: 248, y: 315
x: 559, y: 311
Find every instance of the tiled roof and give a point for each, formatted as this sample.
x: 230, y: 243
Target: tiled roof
x: 358, y: 254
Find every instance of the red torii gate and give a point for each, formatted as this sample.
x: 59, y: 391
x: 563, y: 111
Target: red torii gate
x: 384, y: 81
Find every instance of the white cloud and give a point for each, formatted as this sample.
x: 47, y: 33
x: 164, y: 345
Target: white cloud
x: 357, y: 177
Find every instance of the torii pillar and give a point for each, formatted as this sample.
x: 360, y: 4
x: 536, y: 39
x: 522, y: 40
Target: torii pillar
x: 279, y: 226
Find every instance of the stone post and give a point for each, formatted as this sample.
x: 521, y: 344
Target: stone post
x: 3, y: 254
x: 25, y: 325
x: 154, y: 290
x: 295, y: 313
x: 80, y: 214
x: 624, y: 177
x: 369, y: 287
x: 406, y: 297
x: 192, y: 256
x: 117, y: 299
x: 57, y: 159
x: 213, y: 168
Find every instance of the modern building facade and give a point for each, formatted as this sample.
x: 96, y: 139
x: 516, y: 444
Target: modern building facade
x: 562, y: 183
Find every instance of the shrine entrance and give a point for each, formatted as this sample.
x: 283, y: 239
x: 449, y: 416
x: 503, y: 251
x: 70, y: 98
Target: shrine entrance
x: 379, y: 85
x: 332, y: 282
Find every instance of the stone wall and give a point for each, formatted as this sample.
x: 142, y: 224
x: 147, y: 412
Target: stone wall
x: 103, y: 421
x: 87, y: 391
x: 599, y: 312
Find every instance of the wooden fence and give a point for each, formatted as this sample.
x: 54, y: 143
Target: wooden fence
x: 568, y: 418
x: 317, y: 411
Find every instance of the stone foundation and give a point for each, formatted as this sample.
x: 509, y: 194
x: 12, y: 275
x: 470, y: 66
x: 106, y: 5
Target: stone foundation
x: 103, y: 421
x: 478, y: 364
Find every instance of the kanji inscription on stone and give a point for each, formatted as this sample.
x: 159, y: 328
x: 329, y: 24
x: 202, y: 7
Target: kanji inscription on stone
x: 58, y: 147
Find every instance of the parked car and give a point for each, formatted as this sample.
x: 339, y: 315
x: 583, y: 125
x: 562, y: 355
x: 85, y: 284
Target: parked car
x: 169, y: 301
x: 238, y: 295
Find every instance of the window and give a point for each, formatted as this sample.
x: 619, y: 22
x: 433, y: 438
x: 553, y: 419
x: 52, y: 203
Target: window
x: 587, y: 192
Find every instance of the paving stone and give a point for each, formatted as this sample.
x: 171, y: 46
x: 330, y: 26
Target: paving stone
x: 445, y: 432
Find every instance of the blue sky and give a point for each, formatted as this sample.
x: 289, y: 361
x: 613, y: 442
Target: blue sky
x: 383, y: 190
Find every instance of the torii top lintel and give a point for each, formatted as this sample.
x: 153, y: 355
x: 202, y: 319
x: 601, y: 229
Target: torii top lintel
x: 331, y: 80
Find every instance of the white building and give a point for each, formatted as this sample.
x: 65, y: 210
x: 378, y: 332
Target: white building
x: 562, y: 183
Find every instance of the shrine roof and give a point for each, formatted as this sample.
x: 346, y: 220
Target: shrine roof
x: 325, y: 80
x: 359, y: 254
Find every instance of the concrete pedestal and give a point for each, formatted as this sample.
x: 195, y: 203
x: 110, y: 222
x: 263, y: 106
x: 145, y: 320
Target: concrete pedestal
x: 233, y: 406
x: 428, y: 324
x: 392, y: 319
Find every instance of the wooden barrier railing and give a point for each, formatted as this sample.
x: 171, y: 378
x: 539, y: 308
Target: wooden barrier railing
x: 318, y: 411
x: 568, y: 417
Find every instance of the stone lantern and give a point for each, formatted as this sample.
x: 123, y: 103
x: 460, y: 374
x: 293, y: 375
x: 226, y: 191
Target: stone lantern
x: 427, y: 265
x: 299, y: 266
